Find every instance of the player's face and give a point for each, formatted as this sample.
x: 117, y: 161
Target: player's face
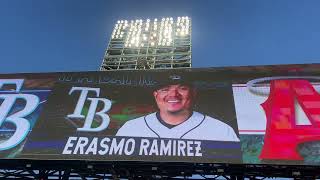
x: 174, y: 98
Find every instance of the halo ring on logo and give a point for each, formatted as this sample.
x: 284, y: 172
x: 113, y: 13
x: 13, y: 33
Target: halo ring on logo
x: 253, y: 84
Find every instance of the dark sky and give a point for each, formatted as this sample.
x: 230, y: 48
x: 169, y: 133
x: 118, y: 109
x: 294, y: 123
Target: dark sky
x: 72, y: 35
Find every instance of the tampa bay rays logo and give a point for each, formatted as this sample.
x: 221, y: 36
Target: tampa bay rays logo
x: 92, y: 109
x: 13, y: 116
x: 175, y: 77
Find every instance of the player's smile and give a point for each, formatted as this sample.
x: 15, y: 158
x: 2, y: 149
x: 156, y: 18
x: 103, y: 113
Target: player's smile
x: 173, y: 101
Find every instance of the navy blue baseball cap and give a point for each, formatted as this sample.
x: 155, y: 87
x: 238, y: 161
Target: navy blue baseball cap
x: 172, y: 79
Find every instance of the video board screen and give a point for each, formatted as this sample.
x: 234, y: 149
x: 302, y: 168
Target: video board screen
x: 251, y: 115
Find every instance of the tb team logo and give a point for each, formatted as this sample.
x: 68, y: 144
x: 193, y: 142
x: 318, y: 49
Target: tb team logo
x: 92, y: 111
x: 19, y: 110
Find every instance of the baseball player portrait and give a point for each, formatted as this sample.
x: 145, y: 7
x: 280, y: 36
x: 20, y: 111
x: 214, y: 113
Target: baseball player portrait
x: 175, y: 118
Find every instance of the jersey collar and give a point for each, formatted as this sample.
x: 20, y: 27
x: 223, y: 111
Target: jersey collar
x: 176, y: 132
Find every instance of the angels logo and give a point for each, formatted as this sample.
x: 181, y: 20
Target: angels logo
x: 283, y: 133
x: 19, y: 110
x: 285, y: 109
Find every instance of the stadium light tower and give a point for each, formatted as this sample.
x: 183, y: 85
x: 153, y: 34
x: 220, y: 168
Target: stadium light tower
x: 149, y: 44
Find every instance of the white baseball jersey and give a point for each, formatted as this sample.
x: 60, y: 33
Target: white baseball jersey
x: 198, y: 126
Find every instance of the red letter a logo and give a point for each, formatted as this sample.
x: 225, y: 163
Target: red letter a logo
x: 282, y: 132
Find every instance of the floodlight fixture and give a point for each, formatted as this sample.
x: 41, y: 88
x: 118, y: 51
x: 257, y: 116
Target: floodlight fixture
x: 164, y: 43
